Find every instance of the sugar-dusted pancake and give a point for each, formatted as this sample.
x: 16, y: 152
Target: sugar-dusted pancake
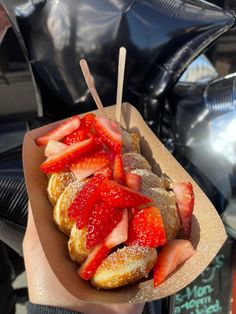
x: 134, y: 161
x: 63, y: 203
x: 130, y: 142
x: 124, y: 266
x: 77, y: 244
x: 57, y: 183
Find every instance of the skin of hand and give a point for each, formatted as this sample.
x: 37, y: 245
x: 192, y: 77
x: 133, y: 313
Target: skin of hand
x: 45, y: 289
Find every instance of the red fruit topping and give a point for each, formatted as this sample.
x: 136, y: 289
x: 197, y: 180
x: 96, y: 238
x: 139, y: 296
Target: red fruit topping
x: 185, y: 201
x: 133, y: 181
x: 110, y: 132
x: 120, y: 233
x: 173, y: 254
x: 81, y: 133
x: 146, y: 228
x: 101, y: 222
x: 68, y: 156
x: 53, y: 148
x: 119, y: 196
x: 89, y: 164
x: 106, y: 172
x: 118, y: 171
x: 94, y: 259
x: 85, y: 200
x: 67, y: 127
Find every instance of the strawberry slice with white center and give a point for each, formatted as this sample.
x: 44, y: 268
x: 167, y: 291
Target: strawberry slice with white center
x: 110, y: 133
x: 94, y: 259
x: 146, y: 228
x: 170, y: 256
x: 68, y: 156
x: 101, y: 222
x: 89, y: 164
x: 133, y: 181
x: 106, y: 172
x: 85, y: 200
x: 100, y: 252
x: 118, y: 170
x: 54, y: 147
x: 65, y: 128
x: 185, y: 202
x: 117, y: 195
x: 120, y: 233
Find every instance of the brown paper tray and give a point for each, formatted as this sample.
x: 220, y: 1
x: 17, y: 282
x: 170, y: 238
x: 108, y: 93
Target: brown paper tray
x: 207, y: 237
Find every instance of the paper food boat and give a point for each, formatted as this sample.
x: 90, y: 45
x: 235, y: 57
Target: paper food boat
x: 207, y: 237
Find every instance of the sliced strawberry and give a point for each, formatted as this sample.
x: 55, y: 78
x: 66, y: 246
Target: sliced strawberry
x: 68, y: 156
x: 101, y: 222
x: 146, y: 228
x: 94, y: 259
x: 85, y: 200
x: 54, y: 148
x: 117, y: 195
x: 118, y: 171
x: 133, y: 181
x: 89, y: 164
x: 185, y: 201
x: 120, y: 233
x: 110, y: 132
x: 173, y: 254
x: 81, y: 133
x: 106, y: 172
x: 65, y: 128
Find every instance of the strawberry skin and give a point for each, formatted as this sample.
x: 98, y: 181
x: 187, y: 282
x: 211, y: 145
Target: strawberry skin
x: 118, y: 171
x: 120, y: 233
x: 173, y: 254
x: 68, y: 156
x: 117, y: 195
x: 106, y: 172
x: 185, y: 202
x: 146, y: 228
x: 110, y: 133
x: 133, y: 181
x: 94, y: 259
x: 81, y: 133
x: 89, y: 164
x: 85, y: 200
x: 53, y: 148
x: 101, y: 222
x: 67, y: 127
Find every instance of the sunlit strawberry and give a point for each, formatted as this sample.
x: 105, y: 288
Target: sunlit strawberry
x: 117, y: 195
x: 67, y: 157
x: 118, y: 170
x: 146, y: 228
x: 65, y: 128
x: 110, y: 132
x: 102, y: 221
x: 133, y: 181
x: 170, y: 256
x: 53, y: 148
x: 185, y: 201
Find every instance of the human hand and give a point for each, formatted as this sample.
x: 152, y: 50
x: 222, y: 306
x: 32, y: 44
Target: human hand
x: 45, y: 288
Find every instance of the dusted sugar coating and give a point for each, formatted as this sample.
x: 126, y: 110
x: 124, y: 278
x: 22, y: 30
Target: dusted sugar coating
x: 77, y: 244
x: 130, y: 142
x: 134, y: 161
x: 125, y: 266
x: 57, y: 184
x: 61, y: 208
x: 151, y: 180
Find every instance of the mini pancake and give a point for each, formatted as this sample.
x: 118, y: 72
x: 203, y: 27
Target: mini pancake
x: 57, y: 183
x: 77, y: 244
x: 125, y: 266
x: 134, y: 161
x: 63, y: 203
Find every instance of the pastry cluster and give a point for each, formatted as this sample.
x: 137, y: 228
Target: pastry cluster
x: 121, y: 218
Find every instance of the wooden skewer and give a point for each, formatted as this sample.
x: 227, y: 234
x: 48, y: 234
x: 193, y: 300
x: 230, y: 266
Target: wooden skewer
x: 90, y: 83
x: 120, y: 82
